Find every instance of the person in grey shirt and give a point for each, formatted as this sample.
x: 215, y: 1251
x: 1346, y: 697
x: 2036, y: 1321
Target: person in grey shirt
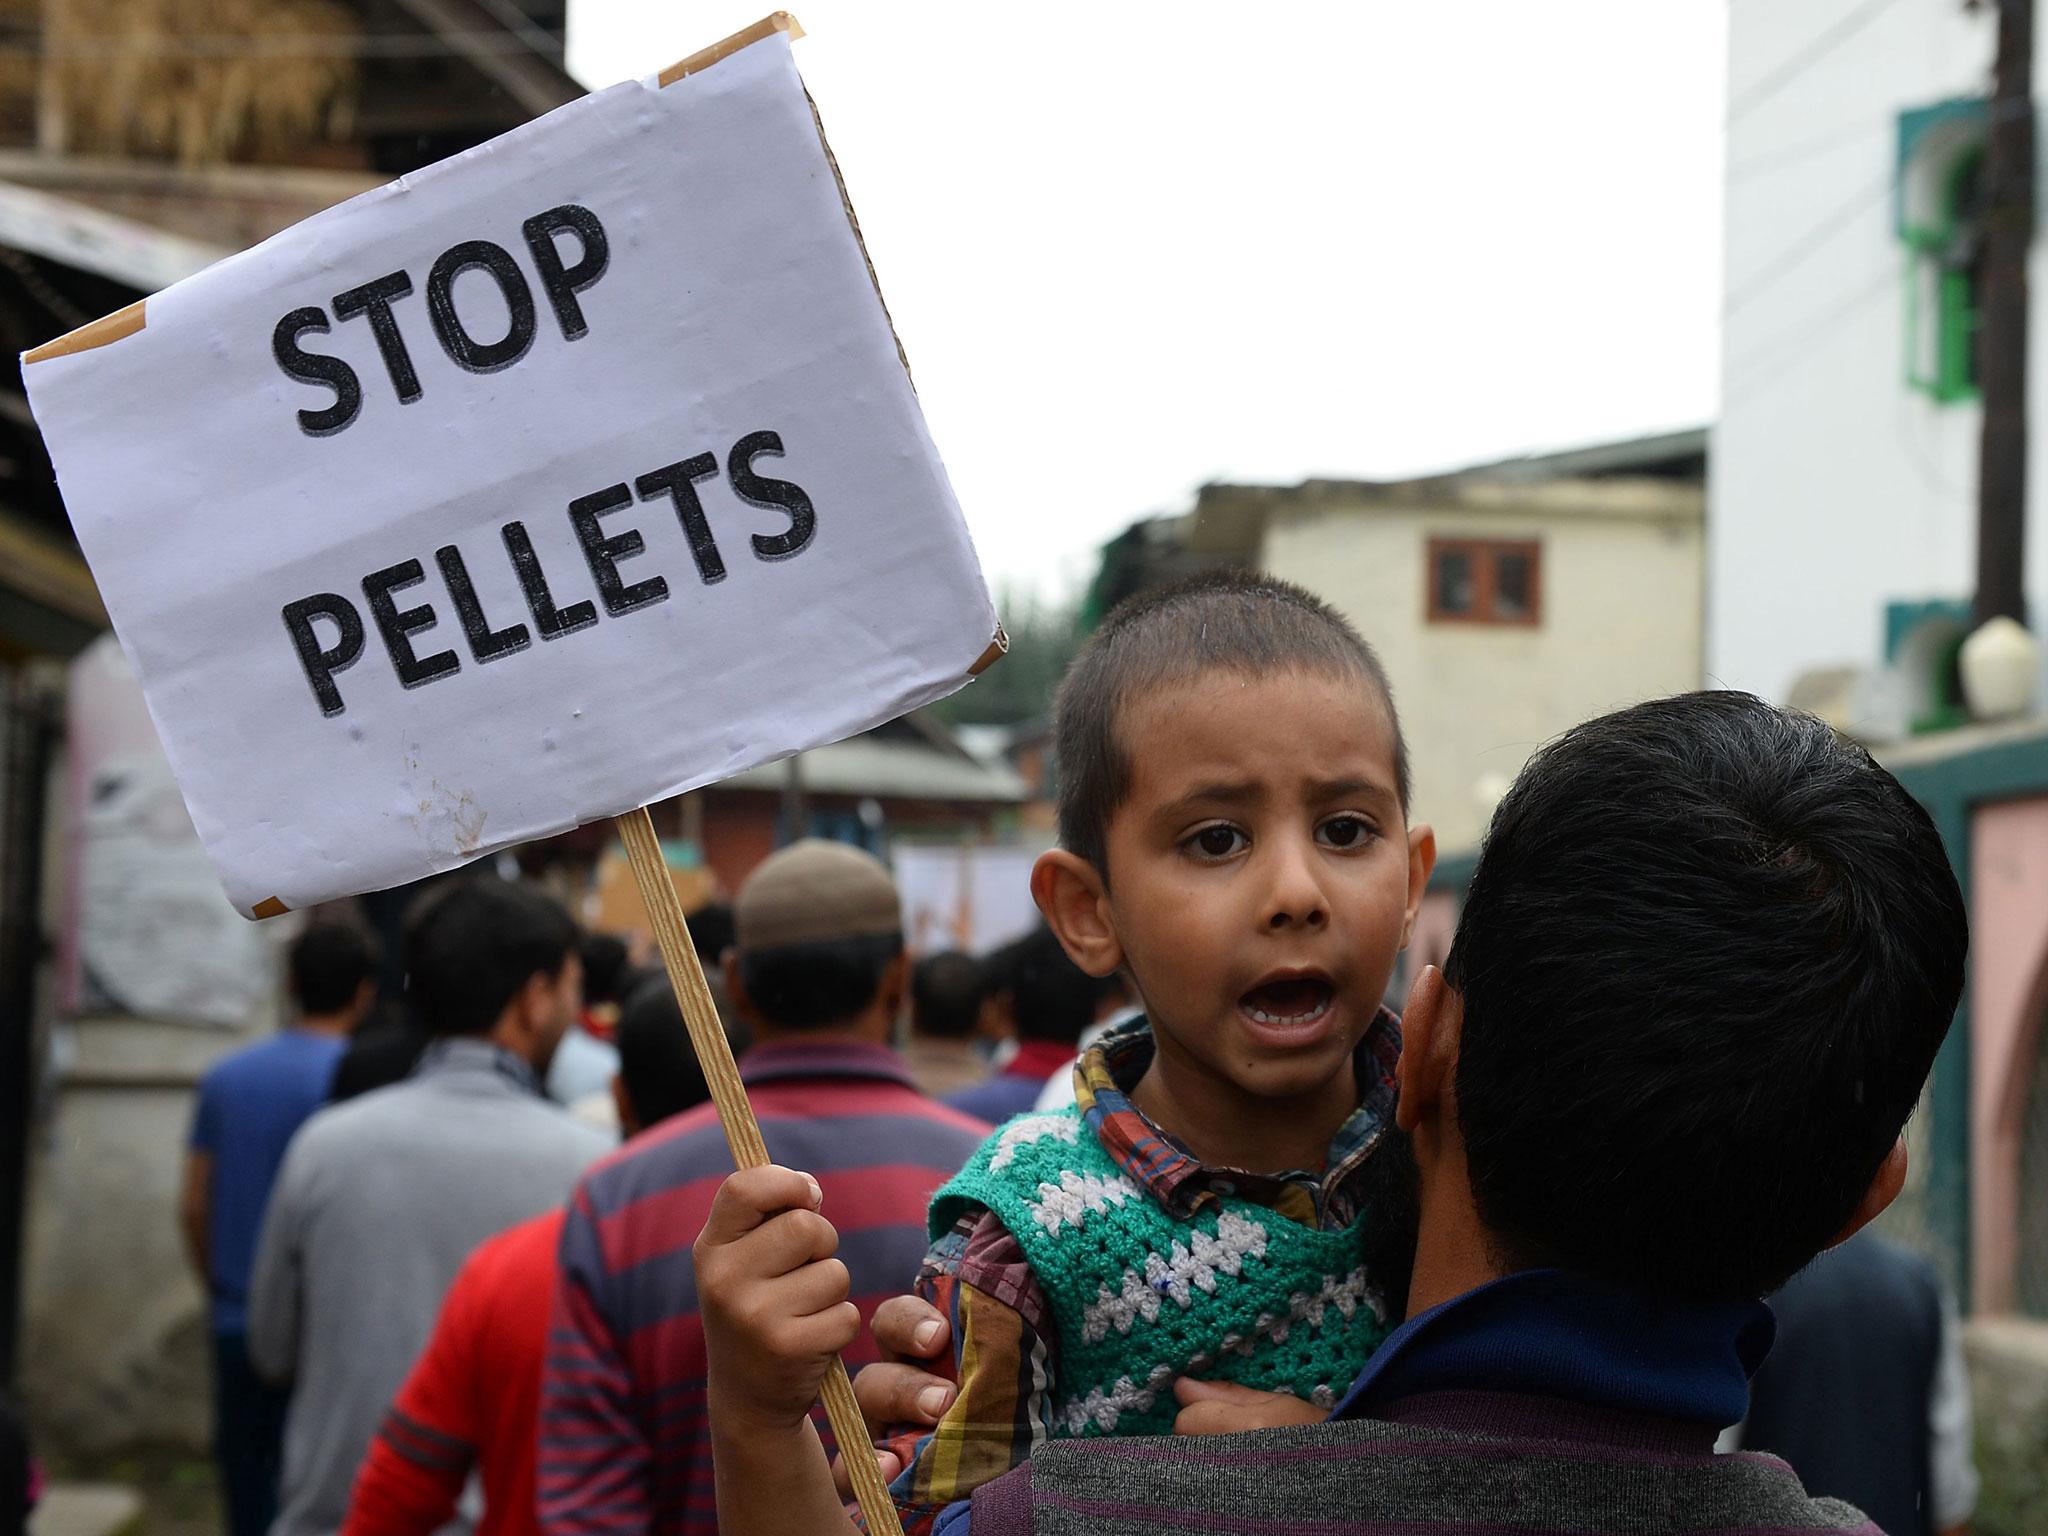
x: 381, y: 1198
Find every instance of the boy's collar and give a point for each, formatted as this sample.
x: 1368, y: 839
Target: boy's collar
x: 1160, y: 1164
x: 1547, y: 1333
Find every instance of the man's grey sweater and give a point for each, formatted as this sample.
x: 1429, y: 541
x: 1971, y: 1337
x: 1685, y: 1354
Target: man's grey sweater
x: 378, y: 1203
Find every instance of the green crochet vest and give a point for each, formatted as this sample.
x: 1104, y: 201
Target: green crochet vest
x: 1240, y: 1293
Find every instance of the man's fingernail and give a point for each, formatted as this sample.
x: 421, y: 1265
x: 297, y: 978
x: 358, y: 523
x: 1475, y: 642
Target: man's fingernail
x: 817, y: 1194
x: 887, y: 1464
x: 926, y: 1334
x: 932, y: 1401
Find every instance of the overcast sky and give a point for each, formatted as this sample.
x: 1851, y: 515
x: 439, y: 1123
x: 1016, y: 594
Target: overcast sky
x: 1133, y: 247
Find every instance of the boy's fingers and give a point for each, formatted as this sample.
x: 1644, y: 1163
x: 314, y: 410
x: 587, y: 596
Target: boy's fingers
x: 786, y: 1242
x: 889, y: 1393
x: 753, y: 1196
x: 823, y: 1333
x: 909, y: 1329
x: 806, y: 1292
x: 786, y: 1314
x: 888, y: 1463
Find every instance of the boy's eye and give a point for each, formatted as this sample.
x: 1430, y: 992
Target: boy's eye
x: 1217, y: 842
x: 1345, y: 832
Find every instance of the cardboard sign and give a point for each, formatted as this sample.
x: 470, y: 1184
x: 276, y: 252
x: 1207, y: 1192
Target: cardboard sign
x: 569, y: 474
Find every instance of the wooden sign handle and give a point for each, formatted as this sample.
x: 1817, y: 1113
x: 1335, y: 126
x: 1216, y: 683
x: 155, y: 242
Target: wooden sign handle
x: 742, y: 1131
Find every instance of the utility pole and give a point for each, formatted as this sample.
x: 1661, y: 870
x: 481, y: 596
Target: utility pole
x: 2002, y: 324
x: 796, y: 805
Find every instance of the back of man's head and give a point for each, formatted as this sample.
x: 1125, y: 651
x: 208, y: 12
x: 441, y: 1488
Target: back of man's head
x: 659, y: 1070
x: 1051, y: 998
x: 817, y: 928
x: 945, y: 996
x: 607, y: 974
x: 1706, y: 960
x: 711, y: 932
x: 329, y: 963
x: 475, y: 944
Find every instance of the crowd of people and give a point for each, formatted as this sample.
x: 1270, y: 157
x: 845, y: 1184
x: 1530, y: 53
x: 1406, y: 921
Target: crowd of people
x: 427, y: 1231
x: 1166, y: 1165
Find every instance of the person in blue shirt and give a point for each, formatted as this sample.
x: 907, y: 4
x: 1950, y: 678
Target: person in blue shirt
x: 250, y: 1103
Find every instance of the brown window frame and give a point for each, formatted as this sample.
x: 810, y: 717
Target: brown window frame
x: 1484, y: 555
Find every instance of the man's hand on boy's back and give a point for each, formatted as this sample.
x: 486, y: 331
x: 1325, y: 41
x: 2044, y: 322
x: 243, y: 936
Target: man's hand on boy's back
x: 1225, y: 1408
x: 895, y: 1391
x: 774, y: 1299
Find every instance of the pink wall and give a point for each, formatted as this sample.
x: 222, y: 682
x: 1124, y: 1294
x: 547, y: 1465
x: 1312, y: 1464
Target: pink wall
x: 2008, y: 993
x: 1436, y: 920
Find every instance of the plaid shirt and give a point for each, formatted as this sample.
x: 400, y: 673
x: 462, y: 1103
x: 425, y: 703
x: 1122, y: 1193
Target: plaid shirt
x: 1004, y: 1337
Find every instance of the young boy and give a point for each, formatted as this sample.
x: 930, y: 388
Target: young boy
x: 1233, y: 814
x: 1704, y: 967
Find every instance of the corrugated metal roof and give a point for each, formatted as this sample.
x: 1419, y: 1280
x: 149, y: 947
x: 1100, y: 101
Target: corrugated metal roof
x: 898, y: 770
x: 96, y: 241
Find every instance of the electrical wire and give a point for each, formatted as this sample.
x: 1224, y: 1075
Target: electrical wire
x: 1741, y: 171
x: 1805, y: 58
x: 1838, y: 219
x: 1830, y: 225
x: 1780, y: 356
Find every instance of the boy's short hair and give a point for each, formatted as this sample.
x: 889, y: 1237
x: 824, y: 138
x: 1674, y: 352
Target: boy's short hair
x: 1231, y: 621
x: 472, y: 947
x: 1706, y: 960
x: 945, y: 996
x: 329, y: 963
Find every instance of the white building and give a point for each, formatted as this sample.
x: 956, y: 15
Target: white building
x: 1842, y: 525
x: 1508, y: 601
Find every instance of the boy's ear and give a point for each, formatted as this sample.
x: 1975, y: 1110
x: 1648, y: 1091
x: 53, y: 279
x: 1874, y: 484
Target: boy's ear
x: 1070, y: 893
x: 1884, y: 1189
x: 1421, y: 860
x: 1430, y: 1026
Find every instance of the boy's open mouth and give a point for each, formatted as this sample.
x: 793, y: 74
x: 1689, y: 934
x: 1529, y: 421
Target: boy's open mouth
x: 1288, y: 1004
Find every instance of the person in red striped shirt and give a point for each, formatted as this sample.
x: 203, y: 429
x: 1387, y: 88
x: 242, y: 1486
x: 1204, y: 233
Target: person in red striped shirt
x: 473, y: 1398
x: 819, y: 973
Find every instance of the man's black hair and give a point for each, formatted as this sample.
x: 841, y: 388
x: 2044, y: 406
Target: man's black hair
x: 472, y: 946
x: 1227, y: 621
x: 711, y: 932
x: 1052, y: 998
x: 1706, y: 959
x: 661, y: 1072
x: 605, y: 971
x: 945, y: 996
x: 329, y: 963
x: 811, y: 986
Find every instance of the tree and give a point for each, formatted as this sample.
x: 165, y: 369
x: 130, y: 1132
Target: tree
x: 1044, y: 636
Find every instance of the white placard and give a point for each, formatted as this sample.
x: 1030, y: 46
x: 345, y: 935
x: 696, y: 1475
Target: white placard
x: 568, y: 474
